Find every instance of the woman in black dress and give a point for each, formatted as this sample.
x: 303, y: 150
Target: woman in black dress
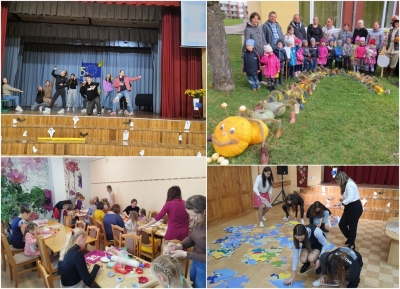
x: 314, y: 30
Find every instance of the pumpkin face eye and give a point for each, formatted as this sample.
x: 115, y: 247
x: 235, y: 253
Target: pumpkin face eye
x: 232, y: 131
x: 222, y: 127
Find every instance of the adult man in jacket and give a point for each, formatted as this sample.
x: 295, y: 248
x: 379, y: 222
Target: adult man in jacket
x: 299, y: 29
x: 272, y: 30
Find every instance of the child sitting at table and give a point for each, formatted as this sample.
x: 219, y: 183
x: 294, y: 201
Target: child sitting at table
x: 91, y: 209
x: 106, y: 205
x: 142, y: 215
x: 132, y: 223
x: 96, y: 200
x: 168, y: 272
x: 79, y: 200
x: 98, y: 214
x: 31, y: 230
x: 64, y: 212
x: 72, y: 214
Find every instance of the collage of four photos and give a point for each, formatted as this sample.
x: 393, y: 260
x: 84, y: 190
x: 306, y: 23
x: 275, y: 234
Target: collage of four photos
x: 200, y: 144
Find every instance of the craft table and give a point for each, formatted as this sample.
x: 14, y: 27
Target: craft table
x: 57, y: 241
x: 104, y: 281
x: 393, y: 258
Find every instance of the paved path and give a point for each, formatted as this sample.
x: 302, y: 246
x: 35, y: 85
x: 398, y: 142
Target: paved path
x: 235, y: 29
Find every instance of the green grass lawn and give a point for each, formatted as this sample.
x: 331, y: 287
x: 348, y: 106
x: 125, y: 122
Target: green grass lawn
x: 342, y: 123
x: 230, y: 22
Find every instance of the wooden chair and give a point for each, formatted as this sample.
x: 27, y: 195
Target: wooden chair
x: 133, y: 244
x: 187, y: 261
x: 68, y: 222
x: 17, y: 260
x: 149, y: 246
x: 102, y: 236
x: 48, y: 282
x: 117, y: 235
x: 91, y: 221
x: 165, y: 219
x: 152, y: 214
x: 94, y: 232
x: 4, y: 254
x: 80, y: 224
x: 49, y: 264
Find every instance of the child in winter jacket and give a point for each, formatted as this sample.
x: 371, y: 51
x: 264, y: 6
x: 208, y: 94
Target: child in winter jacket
x: 323, y: 53
x: 331, y: 53
x: 272, y: 66
x: 251, y: 65
x: 314, y: 52
x: 292, y: 58
x: 339, y: 54
x: 348, y: 51
x: 370, y: 57
x: 299, y: 57
x: 31, y: 230
x: 280, y: 52
x: 359, y: 55
x: 306, y: 56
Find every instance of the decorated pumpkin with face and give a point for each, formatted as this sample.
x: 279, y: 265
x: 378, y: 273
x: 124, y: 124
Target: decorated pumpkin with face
x: 232, y: 136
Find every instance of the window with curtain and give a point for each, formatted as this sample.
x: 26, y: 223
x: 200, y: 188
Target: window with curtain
x: 329, y: 9
x: 389, y: 13
x: 304, y: 8
x: 372, y: 12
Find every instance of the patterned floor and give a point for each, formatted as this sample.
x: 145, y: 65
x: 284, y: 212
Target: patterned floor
x: 371, y: 243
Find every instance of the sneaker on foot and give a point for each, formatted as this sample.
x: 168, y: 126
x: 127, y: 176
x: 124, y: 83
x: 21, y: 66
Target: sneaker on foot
x: 286, y: 218
x: 61, y: 111
x: 99, y: 113
x: 302, y: 221
x: 304, y: 267
x: 19, y: 109
x: 67, y: 108
x: 47, y: 110
x: 94, y: 111
x: 73, y: 108
x: 261, y: 224
x: 83, y: 110
x: 131, y: 113
x: 102, y: 110
x: 121, y: 111
x: 112, y: 113
x: 264, y: 218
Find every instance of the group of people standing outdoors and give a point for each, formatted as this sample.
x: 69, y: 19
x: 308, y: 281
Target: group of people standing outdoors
x: 267, y: 50
x: 68, y: 89
x: 340, y: 267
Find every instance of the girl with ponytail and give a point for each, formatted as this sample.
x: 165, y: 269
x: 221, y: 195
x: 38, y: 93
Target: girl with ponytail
x: 72, y: 265
x: 341, y: 267
x: 168, y: 272
x: 313, y: 243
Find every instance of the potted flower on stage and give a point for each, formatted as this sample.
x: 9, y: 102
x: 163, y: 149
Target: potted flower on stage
x: 196, y: 94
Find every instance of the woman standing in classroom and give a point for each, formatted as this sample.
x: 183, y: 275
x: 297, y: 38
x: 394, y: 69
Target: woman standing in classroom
x: 263, y: 193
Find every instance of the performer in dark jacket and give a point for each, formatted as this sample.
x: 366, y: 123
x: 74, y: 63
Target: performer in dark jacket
x: 39, y: 99
x: 317, y: 211
x: 342, y: 265
x: 90, y: 89
x: 61, y: 83
x: 299, y: 29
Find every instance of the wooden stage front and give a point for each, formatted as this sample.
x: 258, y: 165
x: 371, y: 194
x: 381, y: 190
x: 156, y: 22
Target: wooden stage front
x: 103, y: 134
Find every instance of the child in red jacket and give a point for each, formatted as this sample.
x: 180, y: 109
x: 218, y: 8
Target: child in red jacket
x: 272, y: 66
x: 359, y: 55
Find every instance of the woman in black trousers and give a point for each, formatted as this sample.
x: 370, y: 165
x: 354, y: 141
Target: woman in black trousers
x: 293, y: 201
x: 352, y: 208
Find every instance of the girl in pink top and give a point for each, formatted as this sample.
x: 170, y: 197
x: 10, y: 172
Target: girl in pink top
x: 370, y: 57
x: 359, y: 55
x: 323, y: 53
x: 31, y: 249
x: 178, y: 220
x: 299, y: 57
x: 272, y: 66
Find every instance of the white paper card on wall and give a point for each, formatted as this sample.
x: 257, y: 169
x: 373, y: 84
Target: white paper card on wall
x: 180, y: 137
x: 125, y: 135
x: 51, y: 131
x: 141, y: 153
x: 15, y: 122
x: 34, y: 149
x: 364, y: 201
x: 187, y: 125
x: 375, y: 194
x: 75, y: 119
x: 25, y: 133
x: 199, y: 154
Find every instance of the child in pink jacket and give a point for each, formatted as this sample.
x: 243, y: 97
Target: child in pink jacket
x: 31, y: 230
x: 370, y: 57
x: 299, y: 57
x: 359, y: 55
x: 272, y: 66
x: 323, y: 53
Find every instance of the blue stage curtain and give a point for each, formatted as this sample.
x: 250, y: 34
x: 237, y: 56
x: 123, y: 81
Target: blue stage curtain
x: 39, y: 60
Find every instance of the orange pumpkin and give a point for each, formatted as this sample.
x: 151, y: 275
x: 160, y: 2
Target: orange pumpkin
x: 397, y: 39
x: 256, y: 136
x: 232, y: 136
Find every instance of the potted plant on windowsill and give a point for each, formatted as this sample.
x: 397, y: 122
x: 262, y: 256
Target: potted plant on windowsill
x: 196, y: 94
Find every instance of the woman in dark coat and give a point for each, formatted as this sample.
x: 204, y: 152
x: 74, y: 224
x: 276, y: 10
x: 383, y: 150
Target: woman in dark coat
x: 314, y: 30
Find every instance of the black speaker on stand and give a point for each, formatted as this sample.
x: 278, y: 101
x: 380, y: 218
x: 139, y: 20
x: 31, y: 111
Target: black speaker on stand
x: 281, y: 170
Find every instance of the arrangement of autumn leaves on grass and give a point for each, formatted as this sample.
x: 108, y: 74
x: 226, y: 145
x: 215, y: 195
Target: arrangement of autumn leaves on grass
x: 234, y: 134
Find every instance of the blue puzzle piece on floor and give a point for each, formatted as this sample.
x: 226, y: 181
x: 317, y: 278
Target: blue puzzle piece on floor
x: 274, y: 232
x: 212, y: 279
x: 220, y: 285
x: 279, y: 283
x: 220, y: 240
x: 251, y: 262
x: 330, y: 246
x: 284, y: 241
x: 230, y: 244
x: 224, y: 274
x: 236, y: 282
